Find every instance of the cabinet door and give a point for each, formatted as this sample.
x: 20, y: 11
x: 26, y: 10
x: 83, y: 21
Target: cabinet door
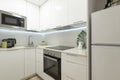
x: 58, y: 14
x: 16, y: 6
x: 105, y: 63
x: 79, y: 73
x: 74, y: 67
x: 39, y: 62
x: 77, y: 11
x: 32, y: 17
x: 29, y: 62
x: 12, y: 65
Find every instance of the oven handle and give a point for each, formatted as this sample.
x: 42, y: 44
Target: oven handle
x: 51, y: 58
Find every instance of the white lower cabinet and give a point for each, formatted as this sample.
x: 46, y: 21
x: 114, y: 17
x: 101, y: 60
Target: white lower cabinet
x: 30, y: 62
x: 11, y: 65
x: 39, y: 62
x: 74, y: 67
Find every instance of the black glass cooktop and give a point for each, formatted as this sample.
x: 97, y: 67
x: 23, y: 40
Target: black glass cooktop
x: 60, y: 47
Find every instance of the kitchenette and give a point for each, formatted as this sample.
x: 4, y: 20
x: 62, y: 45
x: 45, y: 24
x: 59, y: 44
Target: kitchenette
x: 59, y: 40
x: 43, y: 40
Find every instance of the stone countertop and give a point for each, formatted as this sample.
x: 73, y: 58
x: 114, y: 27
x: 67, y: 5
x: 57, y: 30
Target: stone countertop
x: 76, y: 51
x: 73, y: 51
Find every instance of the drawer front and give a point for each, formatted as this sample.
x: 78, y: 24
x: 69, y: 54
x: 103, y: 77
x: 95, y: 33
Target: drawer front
x: 75, y: 58
x: 74, y: 71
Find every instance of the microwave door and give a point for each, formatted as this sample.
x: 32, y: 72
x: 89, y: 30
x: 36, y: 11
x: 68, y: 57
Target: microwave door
x: 12, y: 20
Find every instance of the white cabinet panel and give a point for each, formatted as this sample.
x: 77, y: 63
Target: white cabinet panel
x: 46, y: 15
x: 29, y: 62
x: 77, y: 11
x: 39, y: 62
x: 60, y: 13
x: 74, y: 67
x: 57, y: 16
x: 12, y: 65
x: 16, y: 6
x: 105, y: 63
x: 106, y: 26
x: 56, y: 13
x: 32, y: 17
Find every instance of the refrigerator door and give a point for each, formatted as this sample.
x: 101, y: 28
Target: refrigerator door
x: 106, y: 26
x: 105, y: 63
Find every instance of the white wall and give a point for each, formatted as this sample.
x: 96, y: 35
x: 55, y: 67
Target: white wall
x: 33, y: 22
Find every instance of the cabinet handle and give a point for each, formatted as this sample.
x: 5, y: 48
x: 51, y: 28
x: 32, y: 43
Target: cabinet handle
x: 71, y: 62
x: 72, y: 54
x: 83, y: 64
x: 70, y: 78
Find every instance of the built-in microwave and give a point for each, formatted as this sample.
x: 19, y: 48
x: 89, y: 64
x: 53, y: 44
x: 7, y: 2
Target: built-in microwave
x: 8, y: 19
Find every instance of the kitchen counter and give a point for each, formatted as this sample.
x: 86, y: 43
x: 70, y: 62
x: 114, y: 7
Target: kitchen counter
x: 76, y: 51
x: 15, y: 48
x: 73, y: 51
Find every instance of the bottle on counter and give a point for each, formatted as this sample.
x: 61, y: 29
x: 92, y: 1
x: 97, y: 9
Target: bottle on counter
x: 43, y: 43
x: 4, y: 44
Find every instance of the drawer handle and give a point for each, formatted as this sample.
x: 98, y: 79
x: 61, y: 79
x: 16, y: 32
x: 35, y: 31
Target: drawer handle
x: 70, y: 78
x: 72, y: 54
x: 71, y: 62
x: 76, y: 63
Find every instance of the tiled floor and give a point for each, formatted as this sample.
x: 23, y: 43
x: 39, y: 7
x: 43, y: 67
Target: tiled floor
x: 35, y: 78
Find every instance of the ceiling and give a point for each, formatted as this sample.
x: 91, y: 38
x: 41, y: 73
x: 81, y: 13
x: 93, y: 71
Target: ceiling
x: 37, y: 2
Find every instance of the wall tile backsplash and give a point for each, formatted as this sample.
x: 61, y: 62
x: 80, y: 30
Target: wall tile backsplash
x: 67, y: 38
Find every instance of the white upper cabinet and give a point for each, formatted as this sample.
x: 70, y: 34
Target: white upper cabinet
x: 32, y: 17
x: 53, y: 14
x: 56, y: 13
x: 30, y: 62
x: 61, y: 12
x: 46, y: 15
x: 77, y: 11
x: 16, y: 6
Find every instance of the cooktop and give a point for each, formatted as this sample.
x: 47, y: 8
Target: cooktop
x: 60, y: 47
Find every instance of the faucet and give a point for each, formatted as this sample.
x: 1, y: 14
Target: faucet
x: 30, y: 43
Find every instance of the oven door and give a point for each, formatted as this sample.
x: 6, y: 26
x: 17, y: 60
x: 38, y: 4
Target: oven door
x: 52, y: 66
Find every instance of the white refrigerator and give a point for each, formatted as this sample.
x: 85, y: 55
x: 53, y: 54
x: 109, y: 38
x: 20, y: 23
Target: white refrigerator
x: 105, y: 44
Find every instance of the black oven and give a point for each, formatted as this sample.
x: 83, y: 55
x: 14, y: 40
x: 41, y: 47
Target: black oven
x: 52, y: 64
